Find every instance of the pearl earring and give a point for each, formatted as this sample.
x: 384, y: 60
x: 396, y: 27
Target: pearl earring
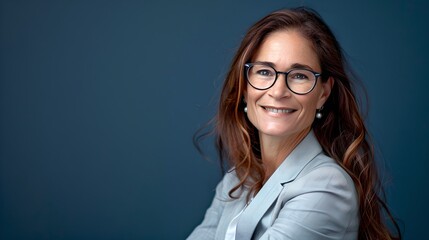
x: 245, y: 109
x: 319, y: 114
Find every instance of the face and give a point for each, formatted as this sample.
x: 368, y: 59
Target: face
x: 277, y: 112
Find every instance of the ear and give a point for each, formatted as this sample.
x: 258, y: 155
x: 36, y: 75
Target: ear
x: 326, y: 91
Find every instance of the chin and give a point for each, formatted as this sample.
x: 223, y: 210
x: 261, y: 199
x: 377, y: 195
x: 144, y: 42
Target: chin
x: 282, y: 131
x: 277, y: 132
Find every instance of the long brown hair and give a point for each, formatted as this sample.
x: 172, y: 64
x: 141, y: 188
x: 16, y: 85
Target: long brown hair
x: 341, y: 131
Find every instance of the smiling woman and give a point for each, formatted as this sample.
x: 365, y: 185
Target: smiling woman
x: 290, y: 128
x: 283, y: 117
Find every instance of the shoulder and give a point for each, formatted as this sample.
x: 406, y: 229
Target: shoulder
x: 322, y: 192
x: 325, y: 169
x: 324, y: 175
x: 228, y: 181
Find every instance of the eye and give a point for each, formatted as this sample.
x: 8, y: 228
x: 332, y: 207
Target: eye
x: 300, y: 75
x: 265, y: 72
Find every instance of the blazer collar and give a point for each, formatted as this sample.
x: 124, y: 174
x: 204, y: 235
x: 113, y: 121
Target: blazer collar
x: 286, y: 172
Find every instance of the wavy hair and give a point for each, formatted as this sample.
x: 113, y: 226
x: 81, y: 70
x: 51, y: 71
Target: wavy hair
x: 341, y: 132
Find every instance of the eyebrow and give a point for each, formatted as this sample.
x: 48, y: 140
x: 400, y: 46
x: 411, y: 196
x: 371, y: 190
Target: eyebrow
x: 294, y: 65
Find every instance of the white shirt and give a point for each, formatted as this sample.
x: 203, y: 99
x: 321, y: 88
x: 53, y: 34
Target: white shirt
x: 232, y: 227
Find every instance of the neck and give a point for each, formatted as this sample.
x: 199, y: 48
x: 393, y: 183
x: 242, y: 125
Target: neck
x: 274, y: 150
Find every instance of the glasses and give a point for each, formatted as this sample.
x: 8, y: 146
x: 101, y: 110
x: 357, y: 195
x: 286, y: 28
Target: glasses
x: 262, y: 76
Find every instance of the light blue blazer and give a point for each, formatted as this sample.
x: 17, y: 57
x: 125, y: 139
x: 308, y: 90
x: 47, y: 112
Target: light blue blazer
x: 308, y: 197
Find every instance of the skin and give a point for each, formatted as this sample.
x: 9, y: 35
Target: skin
x: 280, y: 133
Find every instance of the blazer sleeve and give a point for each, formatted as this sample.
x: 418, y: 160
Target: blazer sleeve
x: 207, y: 229
x: 320, y: 205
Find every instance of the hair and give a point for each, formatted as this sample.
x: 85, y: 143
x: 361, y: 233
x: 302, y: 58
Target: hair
x: 341, y: 132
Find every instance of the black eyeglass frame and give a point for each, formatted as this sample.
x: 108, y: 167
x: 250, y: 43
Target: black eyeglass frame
x: 250, y: 65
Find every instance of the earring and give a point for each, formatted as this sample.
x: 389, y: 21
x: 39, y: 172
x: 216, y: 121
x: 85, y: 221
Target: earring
x: 319, y: 114
x: 245, y: 109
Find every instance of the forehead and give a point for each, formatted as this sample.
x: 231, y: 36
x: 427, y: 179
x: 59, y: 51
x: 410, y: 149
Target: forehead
x: 286, y: 48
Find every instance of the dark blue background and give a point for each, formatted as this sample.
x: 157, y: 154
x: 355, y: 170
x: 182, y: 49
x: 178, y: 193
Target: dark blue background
x: 100, y: 99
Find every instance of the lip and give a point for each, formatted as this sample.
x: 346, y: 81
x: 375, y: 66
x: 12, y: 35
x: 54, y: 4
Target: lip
x: 278, y: 110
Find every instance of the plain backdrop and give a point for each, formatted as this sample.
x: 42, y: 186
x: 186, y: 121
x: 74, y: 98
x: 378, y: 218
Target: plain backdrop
x: 100, y: 99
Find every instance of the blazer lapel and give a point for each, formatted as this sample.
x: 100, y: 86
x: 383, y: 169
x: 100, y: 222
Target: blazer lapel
x: 286, y: 172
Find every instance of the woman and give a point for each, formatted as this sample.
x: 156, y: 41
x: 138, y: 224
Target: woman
x: 290, y: 127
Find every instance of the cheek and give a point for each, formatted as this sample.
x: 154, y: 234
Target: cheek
x: 311, y: 105
x: 251, y: 96
x: 308, y: 105
x: 312, y: 100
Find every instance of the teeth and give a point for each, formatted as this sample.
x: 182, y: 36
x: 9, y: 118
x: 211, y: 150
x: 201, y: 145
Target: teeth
x: 276, y: 110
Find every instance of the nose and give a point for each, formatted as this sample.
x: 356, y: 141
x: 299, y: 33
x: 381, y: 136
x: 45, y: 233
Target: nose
x: 280, y: 89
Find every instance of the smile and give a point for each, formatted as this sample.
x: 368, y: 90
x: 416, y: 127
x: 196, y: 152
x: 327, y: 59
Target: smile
x: 279, y: 110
